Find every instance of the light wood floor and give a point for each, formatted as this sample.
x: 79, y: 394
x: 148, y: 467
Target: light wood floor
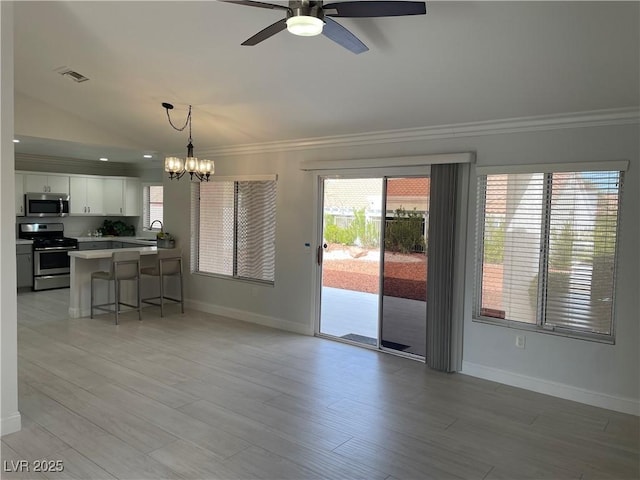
x: 199, y: 396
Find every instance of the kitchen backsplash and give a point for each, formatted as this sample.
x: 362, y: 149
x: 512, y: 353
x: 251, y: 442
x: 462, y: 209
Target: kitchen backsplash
x: 77, y: 226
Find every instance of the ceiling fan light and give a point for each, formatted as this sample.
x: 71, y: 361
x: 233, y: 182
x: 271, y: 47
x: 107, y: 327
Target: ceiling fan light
x: 304, y: 25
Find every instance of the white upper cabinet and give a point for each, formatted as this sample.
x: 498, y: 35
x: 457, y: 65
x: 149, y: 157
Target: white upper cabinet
x: 86, y: 196
x: 19, y: 195
x: 122, y: 196
x: 113, y: 196
x: 89, y: 195
x: 132, y: 197
x: 45, y: 183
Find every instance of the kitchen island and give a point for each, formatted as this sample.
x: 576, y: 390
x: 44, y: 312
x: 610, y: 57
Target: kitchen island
x: 85, y: 262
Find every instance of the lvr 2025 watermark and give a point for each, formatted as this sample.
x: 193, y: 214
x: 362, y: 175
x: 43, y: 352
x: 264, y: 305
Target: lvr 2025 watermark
x: 35, y: 466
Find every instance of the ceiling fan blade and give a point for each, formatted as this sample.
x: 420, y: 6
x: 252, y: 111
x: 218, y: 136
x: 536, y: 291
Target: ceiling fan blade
x: 375, y: 9
x: 336, y: 32
x: 249, y: 3
x: 270, y: 31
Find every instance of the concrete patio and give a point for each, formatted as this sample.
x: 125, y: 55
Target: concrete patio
x: 345, y: 312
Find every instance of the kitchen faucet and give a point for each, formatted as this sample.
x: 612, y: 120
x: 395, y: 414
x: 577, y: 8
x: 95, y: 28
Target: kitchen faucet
x: 161, y: 226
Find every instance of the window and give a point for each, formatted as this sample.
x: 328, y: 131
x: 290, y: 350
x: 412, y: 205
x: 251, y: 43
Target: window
x: 152, y: 206
x: 234, y: 226
x: 547, y: 250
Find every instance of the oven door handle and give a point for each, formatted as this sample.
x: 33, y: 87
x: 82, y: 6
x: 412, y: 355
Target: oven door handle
x: 49, y: 249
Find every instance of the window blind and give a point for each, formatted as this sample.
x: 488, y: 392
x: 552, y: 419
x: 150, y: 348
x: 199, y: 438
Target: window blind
x: 511, y: 229
x: 217, y: 229
x: 194, y: 242
x: 256, y: 230
x: 152, y: 205
x: 146, y: 211
x: 235, y: 228
x: 548, y: 249
x: 583, y: 222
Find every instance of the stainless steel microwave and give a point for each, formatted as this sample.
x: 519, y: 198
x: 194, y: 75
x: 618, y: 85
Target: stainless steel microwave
x: 46, y: 204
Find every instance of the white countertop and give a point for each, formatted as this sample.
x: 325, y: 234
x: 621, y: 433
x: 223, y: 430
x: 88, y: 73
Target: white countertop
x: 22, y: 241
x: 117, y: 239
x: 108, y: 252
x: 95, y: 239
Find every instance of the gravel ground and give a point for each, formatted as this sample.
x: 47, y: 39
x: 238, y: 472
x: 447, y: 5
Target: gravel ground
x: 405, y: 275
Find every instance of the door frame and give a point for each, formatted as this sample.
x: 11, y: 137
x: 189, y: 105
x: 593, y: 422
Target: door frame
x: 399, y: 166
x: 316, y: 283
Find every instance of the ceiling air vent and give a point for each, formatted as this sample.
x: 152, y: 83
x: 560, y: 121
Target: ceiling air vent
x: 72, y: 74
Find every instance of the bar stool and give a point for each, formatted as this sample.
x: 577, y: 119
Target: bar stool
x: 125, y: 265
x: 169, y: 263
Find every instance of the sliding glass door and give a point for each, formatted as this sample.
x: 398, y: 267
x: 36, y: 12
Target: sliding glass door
x: 373, y: 261
x: 403, y: 311
x: 350, y: 259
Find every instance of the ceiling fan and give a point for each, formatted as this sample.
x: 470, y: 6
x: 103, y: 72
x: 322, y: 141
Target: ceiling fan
x: 308, y: 18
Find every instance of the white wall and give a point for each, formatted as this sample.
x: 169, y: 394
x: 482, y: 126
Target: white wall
x: 595, y: 373
x: 37, y: 119
x: 9, y: 414
x: 606, y: 375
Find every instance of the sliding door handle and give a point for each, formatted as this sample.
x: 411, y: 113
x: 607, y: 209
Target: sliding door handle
x: 320, y: 253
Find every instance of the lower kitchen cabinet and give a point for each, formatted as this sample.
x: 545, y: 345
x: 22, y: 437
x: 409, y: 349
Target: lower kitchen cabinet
x: 24, y: 266
x: 94, y: 245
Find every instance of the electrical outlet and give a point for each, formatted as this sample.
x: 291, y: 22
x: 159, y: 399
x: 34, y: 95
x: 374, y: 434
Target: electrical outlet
x: 520, y: 341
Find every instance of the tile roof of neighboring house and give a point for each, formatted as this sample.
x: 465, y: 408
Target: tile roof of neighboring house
x: 497, y: 203
x: 408, y: 193
x: 408, y: 187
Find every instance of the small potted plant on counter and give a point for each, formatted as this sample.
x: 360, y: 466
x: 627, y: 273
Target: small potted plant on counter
x: 116, y: 228
x: 165, y: 240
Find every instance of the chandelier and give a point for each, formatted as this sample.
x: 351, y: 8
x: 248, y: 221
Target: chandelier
x: 176, y: 167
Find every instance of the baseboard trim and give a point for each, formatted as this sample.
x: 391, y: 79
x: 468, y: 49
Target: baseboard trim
x: 11, y: 424
x: 555, y: 389
x: 250, y: 317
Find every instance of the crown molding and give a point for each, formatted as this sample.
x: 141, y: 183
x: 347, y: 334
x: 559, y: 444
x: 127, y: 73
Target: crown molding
x: 597, y: 118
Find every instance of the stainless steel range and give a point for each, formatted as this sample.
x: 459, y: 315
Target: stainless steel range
x: 50, y: 254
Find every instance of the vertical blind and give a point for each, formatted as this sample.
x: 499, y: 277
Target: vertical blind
x: 441, y: 265
x: 236, y: 228
x: 548, y: 243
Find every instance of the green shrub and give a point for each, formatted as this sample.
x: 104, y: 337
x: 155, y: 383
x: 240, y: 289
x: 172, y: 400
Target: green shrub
x: 367, y: 232
x: 404, y: 233
x: 335, y: 234
x: 494, y: 235
x: 557, y: 286
x: 561, y: 247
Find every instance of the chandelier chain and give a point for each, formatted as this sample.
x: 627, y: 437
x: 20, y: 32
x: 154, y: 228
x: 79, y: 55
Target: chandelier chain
x: 186, y: 122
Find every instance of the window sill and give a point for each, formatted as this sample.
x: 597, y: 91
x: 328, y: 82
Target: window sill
x: 252, y: 281
x: 591, y: 337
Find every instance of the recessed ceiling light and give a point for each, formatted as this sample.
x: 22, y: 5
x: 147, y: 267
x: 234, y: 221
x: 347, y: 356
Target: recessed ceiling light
x: 148, y: 156
x: 15, y: 140
x: 104, y: 159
